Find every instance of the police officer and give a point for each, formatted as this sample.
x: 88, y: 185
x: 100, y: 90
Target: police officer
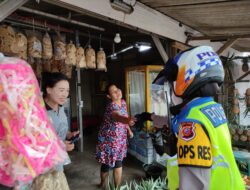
x: 204, y: 152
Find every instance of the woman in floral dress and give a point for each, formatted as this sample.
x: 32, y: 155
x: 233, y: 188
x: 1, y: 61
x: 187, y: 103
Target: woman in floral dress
x: 112, y: 138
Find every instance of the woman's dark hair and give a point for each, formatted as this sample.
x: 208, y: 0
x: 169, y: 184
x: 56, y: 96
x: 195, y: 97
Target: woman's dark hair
x: 108, y: 87
x: 51, y: 79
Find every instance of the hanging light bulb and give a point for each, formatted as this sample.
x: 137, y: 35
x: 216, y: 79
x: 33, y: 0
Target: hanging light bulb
x: 117, y: 38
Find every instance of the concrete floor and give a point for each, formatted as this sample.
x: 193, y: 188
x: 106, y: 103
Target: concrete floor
x: 83, y: 172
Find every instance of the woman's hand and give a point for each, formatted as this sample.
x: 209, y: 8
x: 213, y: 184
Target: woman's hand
x: 130, y: 133
x: 69, y: 146
x: 72, y: 134
x: 132, y: 121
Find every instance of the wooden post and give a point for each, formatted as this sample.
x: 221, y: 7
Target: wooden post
x: 226, y: 46
x: 160, y: 48
x: 79, y: 99
x: 9, y: 6
x: 243, y: 76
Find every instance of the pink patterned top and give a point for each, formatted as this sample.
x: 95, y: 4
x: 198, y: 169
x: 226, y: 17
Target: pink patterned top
x: 112, y: 137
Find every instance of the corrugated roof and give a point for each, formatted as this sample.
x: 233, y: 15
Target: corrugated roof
x: 210, y: 17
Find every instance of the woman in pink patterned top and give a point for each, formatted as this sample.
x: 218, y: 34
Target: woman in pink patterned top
x: 112, y: 138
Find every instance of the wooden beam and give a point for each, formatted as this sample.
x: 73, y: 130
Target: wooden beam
x: 9, y: 6
x: 180, y: 46
x: 226, y: 46
x: 237, y: 81
x: 160, y: 48
x: 243, y: 76
x: 143, y: 18
x: 218, y: 38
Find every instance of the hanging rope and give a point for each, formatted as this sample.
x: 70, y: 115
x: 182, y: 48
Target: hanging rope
x: 33, y: 24
x: 100, y: 40
x: 89, y: 42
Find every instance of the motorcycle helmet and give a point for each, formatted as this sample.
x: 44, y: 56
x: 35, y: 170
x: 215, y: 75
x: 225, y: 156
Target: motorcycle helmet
x: 191, y: 69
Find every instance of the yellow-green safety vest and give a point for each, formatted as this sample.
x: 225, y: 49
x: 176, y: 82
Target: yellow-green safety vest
x: 225, y: 174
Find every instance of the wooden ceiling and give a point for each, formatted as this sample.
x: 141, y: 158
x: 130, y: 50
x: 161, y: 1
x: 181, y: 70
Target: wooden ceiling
x: 210, y: 17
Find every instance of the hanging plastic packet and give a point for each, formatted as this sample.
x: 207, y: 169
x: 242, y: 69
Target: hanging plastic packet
x: 34, y: 47
x: 80, y: 58
x: 101, y: 60
x: 71, y: 54
x: 29, y: 145
x: 47, y: 47
x: 90, y: 58
x: 21, y: 45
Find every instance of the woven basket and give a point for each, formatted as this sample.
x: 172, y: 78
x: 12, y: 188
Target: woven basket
x: 47, y: 47
x: 34, y: 47
x: 101, y: 60
x: 60, y: 50
x: 7, y: 39
x: 21, y: 45
x: 80, y: 58
x: 90, y: 58
x: 71, y: 54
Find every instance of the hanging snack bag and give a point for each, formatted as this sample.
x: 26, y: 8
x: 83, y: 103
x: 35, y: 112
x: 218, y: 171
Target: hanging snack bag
x: 80, y: 58
x: 71, y: 54
x: 7, y: 39
x: 21, y: 45
x: 101, y: 60
x: 59, y: 49
x: 34, y: 47
x: 90, y: 58
x: 47, y: 47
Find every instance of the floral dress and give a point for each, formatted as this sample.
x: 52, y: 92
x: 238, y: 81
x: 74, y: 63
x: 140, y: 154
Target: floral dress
x: 112, y: 137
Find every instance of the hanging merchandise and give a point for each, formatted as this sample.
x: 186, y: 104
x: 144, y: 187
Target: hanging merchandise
x: 59, y: 48
x: 80, y: 58
x: 47, y: 52
x: 21, y: 45
x: 34, y: 47
x: 101, y: 60
x: 47, y: 65
x: 7, y: 38
x: 47, y: 47
x: 66, y: 69
x: 35, y: 51
x: 71, y: 54
x: 90, y: 58
x: 55, y: 64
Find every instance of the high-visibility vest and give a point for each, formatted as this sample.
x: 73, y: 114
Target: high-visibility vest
x: 172, y: 173
x: 225, y: 174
